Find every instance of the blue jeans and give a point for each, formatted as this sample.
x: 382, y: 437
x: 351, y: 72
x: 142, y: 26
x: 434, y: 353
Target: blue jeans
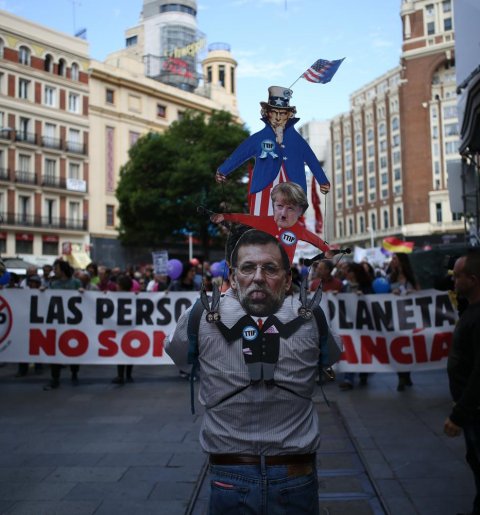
x: 263, y: 490
x: 471, y: 431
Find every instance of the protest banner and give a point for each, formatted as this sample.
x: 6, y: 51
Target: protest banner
x: 380, y: 333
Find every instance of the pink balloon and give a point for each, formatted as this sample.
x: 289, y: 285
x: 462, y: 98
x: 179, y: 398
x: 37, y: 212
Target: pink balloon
x: 174, y: 268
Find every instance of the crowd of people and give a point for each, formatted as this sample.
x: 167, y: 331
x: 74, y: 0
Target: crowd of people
x: 336, y: 275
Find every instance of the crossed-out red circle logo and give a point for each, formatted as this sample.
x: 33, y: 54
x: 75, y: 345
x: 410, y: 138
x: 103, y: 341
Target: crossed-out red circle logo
x: 6, y: 319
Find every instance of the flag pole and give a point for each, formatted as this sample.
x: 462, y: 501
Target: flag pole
x: 290, y: 87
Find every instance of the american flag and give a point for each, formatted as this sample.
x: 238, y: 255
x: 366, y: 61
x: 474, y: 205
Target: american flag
x: 322, y: 70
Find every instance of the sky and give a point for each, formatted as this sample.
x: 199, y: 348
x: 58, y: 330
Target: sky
x: 273, y: 41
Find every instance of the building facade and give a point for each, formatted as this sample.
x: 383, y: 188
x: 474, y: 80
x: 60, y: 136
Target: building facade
x: 57, y: 189
x: 44, y: 141
x: 391, y: 151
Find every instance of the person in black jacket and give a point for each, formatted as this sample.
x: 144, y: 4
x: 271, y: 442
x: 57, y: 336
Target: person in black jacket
x: 464, y: 366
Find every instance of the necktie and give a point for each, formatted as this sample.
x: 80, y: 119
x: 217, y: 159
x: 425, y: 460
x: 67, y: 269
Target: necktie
x: 260, y: 323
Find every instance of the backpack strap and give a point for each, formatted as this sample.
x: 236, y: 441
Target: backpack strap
x: 193, y: 326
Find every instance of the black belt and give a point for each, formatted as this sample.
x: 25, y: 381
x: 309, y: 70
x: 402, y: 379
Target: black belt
x: 249, y: 459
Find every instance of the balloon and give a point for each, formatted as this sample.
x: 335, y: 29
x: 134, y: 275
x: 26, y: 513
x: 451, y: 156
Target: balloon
x: 216, y: 269
x: 223, y: 269
x: 174, y: 268
x: 381, y: 285
x: 194, y: 262
x: 5, y: 278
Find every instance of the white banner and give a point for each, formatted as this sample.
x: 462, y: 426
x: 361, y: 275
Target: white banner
x: 379, y: 332
x: 60, y: 326
x: 384, y: 333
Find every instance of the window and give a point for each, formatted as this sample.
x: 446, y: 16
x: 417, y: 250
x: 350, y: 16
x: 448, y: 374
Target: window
x: 373, y: 221
x: 24, y: 244
x: 399, y: 216
x: 438, y: 212
x: 396, y: 140
x: 49, y: 178
x: 23, y: 88
x: 2, y: 47
x: 350, y: 226
x: 24, y: 163
x: 395, y: 123
x: 49, y: 138
x: 371, y: 167
x: 232, y: 80
x: 131, y: 41
x: 50, y: 246
x: 24, y: 55
x: 451, y: 129
x: 372, y: 183
x: 397, y: 174
x: 451, y: 147
x: 446, y: 6
x: 48, y: 63
x: 50, y: 96
x: 221, y: 75
x: 24, y: 208
x: 22, y: 133
x: 384, y: 179
x: 382, y: 129
x: 74, y: 103
x: 74, y: 214
x: 110, y: 219
x: 431, y: 28
x: 362, y: 223
x: 383, y: 162
x: 396, y: 157
x: 370, y: 135
x: 109, y: 96
x: 74, y: 144
x: 383, y: 145
x: 62, y: 67
x: 74, y: 171
x: 447, y: 24
x: 49, y: 207
x: 360, y: 186
x: 161, y: 111
x: 385, y: 220
x: 209, y: 74
x: 75, y: 72
x: 449, y: 111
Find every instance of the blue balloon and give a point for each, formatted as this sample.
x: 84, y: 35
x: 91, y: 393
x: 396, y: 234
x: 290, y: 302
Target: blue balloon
x: 224, y: 269
x: 381, y: 285
x: 216, y: 269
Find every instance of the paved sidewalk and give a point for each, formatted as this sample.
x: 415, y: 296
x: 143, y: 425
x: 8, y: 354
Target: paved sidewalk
x: 102, y: 449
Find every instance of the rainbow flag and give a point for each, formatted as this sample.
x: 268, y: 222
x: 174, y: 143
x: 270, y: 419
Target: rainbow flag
x: 393, y: 244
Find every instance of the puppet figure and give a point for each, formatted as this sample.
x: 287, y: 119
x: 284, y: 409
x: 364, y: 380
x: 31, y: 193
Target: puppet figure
x: 289, y: 202
x: 280, y: 153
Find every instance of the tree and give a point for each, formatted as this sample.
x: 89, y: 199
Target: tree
x: 169, y: 175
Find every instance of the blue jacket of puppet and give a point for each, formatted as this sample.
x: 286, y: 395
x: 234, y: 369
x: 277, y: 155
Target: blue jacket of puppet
x: 269, y: 156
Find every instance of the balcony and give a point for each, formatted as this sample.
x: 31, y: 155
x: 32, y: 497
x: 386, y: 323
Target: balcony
x: 49, y: 142
x: 75, y: 147
x: 48, y: 222
x: 26, y: 137
x: 6, y: 133
x: 4, y: 174
x: 25, y: 177
x: 53, y: 182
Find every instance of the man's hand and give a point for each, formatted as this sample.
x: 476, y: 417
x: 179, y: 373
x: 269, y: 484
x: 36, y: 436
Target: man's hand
x: 451, y: 429
x: 219, y: 177
x: 325, y: 188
